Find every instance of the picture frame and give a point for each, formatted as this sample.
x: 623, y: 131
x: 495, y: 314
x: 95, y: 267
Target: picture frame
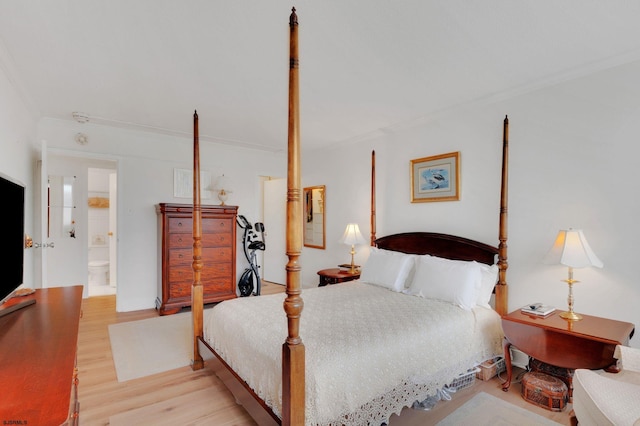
x: 183, y: 184
x: 436, y: 178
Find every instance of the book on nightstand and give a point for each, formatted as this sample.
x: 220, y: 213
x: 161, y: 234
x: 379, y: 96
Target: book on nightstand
x: 348, y: 266
x: 538, y: 309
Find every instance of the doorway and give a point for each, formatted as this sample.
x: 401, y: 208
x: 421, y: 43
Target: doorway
x: 101, y: 231
x: 63, y: 258
x: 275, y: 218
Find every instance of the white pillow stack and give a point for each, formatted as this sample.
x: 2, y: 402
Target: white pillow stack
x: 386, y: 268
x: 463, y: 283
x: 453, y: 281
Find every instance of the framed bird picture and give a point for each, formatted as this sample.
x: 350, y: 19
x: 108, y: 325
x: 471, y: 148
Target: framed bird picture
x: 436, y: 178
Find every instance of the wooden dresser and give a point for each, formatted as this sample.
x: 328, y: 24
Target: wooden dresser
x: 38, y: 374
x: 175, y: 224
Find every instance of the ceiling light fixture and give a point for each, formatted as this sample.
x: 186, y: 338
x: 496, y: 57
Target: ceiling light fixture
x: 82, y: 138
x: 80, y: 117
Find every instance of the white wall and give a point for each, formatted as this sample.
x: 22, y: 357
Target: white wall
x: 572, y: 164
x: 145, y: 178
x: 17, y: 153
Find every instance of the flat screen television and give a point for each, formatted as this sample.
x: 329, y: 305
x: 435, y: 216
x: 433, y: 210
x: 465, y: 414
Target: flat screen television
x: 11, y: 274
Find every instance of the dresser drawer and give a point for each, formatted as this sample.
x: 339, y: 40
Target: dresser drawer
x: 180, y: 240
x: 180, y: 257
x: 217, y: 239
x: 211, y: 270
x: 211, y: 288
x: 217, y: 255
x: 185, y: 224
x: 217, y: 225
x: 181, y: 224
x: 214, y: 239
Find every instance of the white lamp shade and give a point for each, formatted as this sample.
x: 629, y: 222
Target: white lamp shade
x: 572, y: 249
x: 352, y: 235
x: 222, y: 183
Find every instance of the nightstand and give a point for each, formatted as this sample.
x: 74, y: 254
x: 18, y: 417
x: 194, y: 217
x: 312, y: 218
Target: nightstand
x: 588, y: 343
x: 336, y: 275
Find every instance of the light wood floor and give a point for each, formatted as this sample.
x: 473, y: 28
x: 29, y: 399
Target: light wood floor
x: 187, y: 397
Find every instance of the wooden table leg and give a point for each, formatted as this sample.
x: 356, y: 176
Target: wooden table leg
x: 507, y: 362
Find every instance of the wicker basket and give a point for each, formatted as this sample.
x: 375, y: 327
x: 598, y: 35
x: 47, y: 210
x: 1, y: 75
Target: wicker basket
x: 464, y: 380
x: 489, y: 369
x: 564, y: 374
x: 544, y: 390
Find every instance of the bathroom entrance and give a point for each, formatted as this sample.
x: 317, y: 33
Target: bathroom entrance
x: 102, y: 227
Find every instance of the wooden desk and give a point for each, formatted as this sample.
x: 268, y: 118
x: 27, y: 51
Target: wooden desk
x: 336, y: 275
x: 588, y: 343
x: 38, y: 376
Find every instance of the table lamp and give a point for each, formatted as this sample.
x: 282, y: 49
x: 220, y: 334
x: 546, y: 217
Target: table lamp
x: 352, y: 236
x: 572, y: 250
x: 222, y: 188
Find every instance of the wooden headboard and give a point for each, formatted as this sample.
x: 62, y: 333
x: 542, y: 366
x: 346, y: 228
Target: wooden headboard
x: 441, y: 245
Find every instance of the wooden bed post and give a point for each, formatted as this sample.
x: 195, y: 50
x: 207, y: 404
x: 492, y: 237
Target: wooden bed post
x: 373, y: 198
x: 196, y: 290
x: 501, y: 287
x: 293, y: 352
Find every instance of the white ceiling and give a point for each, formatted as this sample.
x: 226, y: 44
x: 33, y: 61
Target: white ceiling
x: 366, y: 66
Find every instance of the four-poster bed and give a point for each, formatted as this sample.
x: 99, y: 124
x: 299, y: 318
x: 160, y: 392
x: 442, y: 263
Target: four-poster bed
x: 362, y: 365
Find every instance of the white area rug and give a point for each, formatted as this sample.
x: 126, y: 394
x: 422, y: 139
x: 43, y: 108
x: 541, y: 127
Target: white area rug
x: 487, y: 410
x: 150, y: 346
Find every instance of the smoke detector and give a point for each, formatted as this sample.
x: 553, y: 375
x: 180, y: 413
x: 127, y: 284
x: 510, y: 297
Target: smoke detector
x: 82, y: 138
x: 80, y: 117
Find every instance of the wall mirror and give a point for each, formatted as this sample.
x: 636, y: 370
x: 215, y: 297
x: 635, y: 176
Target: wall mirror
x: 314, y: 223
x: 61, y: 222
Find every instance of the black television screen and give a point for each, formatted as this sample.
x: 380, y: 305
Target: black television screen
x: 12, y: 193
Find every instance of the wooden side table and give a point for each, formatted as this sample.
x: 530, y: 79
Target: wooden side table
x: 38, y: 372
x: 336, y: 275
x: 588, y: 343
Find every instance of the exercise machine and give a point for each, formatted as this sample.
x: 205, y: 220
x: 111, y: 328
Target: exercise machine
x: 250, y: 278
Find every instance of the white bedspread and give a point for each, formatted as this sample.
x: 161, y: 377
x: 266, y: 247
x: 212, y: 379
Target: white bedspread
x: 369, y: 351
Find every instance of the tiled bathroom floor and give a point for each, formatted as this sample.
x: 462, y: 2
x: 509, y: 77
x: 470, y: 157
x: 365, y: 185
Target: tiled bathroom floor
x: 100, y: 290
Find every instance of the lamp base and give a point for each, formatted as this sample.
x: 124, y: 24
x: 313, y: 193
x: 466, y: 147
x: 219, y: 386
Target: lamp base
x: 571, y: 316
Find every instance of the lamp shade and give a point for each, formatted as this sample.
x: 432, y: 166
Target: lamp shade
x: 222, y: 184
x: 572, y: 249
x: 352, y: 235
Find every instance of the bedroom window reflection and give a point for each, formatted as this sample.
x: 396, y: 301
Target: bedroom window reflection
x: 314, y: 221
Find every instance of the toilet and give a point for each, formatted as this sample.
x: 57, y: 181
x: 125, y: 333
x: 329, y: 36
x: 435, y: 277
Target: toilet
x: 99, y: 272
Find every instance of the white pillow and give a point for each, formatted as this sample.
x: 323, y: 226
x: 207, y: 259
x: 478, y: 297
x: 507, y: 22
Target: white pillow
x: 488, y: 280
x: 453, y: 281
x: 386, y: 268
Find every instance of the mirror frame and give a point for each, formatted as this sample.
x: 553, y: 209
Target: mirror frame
x: 308, y: 216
